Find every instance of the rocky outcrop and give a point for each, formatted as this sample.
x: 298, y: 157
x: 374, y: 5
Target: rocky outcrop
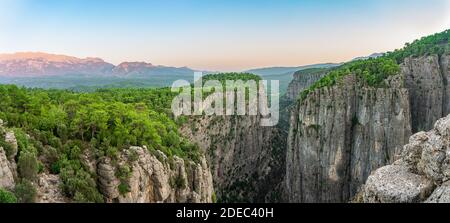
x: 427, y: 81
x: 247, y: 160
x: 339, y: 135
x: 421, y: 174
x: 440, y: 195
x: 396, y: 184
x: 6, y: 174
x: 49, y: 189
x: 8, y: 168
x: 143, y: 177
x: 10, y: 138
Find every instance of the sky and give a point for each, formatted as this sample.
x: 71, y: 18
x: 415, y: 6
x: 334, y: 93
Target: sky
x: 218, y: 35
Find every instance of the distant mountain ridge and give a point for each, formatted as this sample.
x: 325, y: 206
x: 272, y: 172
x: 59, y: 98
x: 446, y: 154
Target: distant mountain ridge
x: 37, y: 64
x: 285, y: 70
x: 291, y: 70
x: 373, y: 55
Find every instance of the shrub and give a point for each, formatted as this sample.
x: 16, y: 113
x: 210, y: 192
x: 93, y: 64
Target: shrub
x: 7, y: 197
x: 28, y: 166
x: 25, y: 192
x: 124, y: 173
x: 123, y: 188
x: 178, y: 182
x: 112, y: 152
x: 75, y: 153
x: 22, y: 140
x: 133, y: 156
x: 214, y: 197
x: 78, y: 183
x: 9, y: 150
x: 50, y: 154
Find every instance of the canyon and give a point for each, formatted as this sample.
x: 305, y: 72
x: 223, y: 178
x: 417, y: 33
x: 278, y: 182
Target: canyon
x: 360, y: 137
x: 340, y: 135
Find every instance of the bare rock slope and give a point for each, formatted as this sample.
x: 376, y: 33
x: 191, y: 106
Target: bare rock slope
x: 339, y: 135
x: 427, y: 79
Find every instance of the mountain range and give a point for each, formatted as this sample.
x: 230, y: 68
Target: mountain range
x: 33, y: 64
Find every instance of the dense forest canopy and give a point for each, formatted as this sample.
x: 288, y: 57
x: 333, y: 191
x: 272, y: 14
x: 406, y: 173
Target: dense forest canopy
x: 234, y: 78
x: 314, y: 71
x: 223, y: 77
x: 374, y: 71
x: 54, y: 128
x: 434, y: 44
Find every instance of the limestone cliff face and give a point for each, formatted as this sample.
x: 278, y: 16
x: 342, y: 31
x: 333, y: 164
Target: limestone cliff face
x: 8, y: 169
x: 421, y: 174
x: 302, y: 81
x: 444, y: 62
x: 427, y: 81
x: 339, y: 135
x: 247, y: 160
x: 6, y: 173
x: 154, y: 178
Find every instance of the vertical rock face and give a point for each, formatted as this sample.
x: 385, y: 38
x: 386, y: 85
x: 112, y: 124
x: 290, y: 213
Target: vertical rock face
x: 154, y: 178
x: 7, y: 163
x: 247, y: 160
x: 444, y: 62
x: 6, y: 174
x: 302, y: 81
x: 422, y: 174
x: 427, y: 81
x: 339, y: 135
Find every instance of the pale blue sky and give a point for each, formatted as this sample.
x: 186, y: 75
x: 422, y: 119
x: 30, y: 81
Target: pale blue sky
x: 218, y: 34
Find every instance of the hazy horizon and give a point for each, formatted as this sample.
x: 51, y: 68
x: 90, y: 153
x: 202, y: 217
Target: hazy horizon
x: 220, y: 35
